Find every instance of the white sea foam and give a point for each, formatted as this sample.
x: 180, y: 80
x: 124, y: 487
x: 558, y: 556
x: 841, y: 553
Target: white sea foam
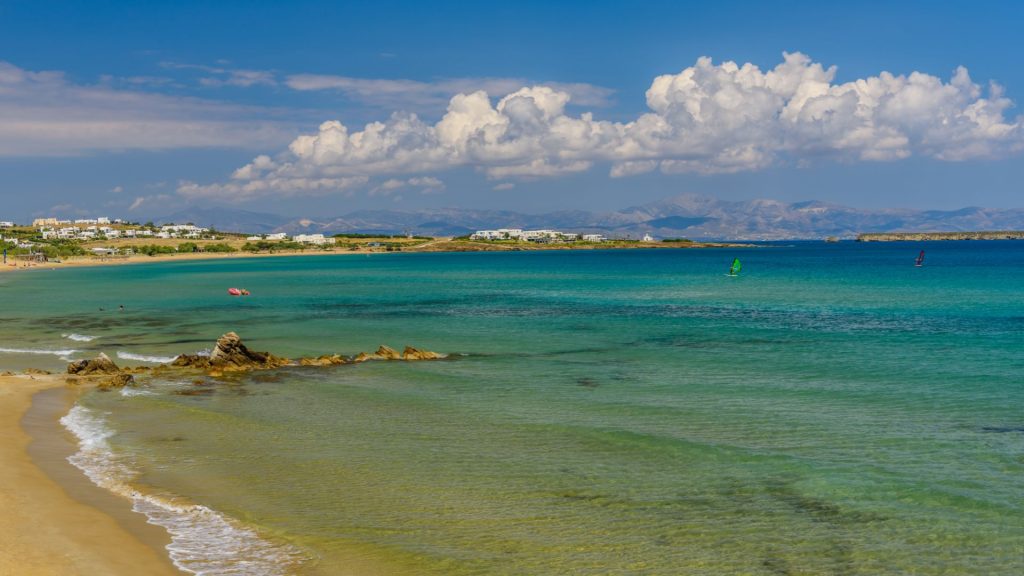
x: 143, y: 358
x: 78, y: 337
x: 62, y: 354
x: 128, y: 392
x: 203, y: 541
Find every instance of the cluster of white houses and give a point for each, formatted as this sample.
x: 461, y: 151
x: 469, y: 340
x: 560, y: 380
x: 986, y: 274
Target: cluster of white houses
x: 317, y: 239
x: 542, y: 236
x: 85, y: 231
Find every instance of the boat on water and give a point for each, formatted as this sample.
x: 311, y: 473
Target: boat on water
x: 920, y: 259
x: 734, y: 270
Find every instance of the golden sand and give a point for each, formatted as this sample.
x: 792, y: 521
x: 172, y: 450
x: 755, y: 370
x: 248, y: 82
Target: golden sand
x: 43, y: 530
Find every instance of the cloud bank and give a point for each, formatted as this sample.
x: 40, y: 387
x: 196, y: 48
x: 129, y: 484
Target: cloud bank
x: 45, y: 114
x: 709, y: 118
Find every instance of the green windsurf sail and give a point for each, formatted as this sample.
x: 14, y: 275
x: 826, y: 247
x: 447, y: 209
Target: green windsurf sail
x: 735, y: 268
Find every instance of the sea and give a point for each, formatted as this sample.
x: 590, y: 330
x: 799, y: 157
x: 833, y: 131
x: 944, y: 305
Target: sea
x: 833, y: 409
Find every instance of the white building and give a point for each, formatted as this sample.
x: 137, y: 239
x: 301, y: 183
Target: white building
x: 44, y: 222
x: 181, y: 231
x: 277, y: 236
x: 317, y: 239
x: 6, y: 224
x: 592, y: 238
x: 254, y: 238
x: 648, y: 238
x: 499, y: 234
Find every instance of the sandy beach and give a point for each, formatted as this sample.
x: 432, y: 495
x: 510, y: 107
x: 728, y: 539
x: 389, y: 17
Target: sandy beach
x: 45, y: 531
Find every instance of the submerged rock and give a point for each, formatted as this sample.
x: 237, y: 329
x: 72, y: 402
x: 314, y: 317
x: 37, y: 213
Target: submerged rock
x: 119, y: 380
x: 98, y: 365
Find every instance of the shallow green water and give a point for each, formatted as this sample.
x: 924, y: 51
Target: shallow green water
x: 833, y: 411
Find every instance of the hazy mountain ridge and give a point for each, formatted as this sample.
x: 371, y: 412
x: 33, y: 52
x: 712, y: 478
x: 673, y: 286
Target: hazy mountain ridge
x: 687, y: 215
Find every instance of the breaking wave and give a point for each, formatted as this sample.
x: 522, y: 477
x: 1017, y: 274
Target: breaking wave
x: 144, y: 358
x: 203, y: 541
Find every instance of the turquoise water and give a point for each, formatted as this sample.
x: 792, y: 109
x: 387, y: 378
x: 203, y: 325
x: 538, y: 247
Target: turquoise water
x: 834, y: 410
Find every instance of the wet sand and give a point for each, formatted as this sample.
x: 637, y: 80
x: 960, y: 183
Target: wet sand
x: 48, y: 529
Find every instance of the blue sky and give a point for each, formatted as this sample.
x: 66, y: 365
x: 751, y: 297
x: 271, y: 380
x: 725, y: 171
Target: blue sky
x: 140, y: 109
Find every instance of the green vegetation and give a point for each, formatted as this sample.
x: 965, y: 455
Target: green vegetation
x: 187, y: 247
x: 154, y: 249
x: 218, y: 247
x: 269, y: 246
x: 677, y: 240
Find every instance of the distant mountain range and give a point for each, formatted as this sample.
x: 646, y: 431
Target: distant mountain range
x: 688, y: 215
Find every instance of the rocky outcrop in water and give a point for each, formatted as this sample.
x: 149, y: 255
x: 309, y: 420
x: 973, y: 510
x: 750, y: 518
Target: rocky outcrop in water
x: 230, y: 355
x: 388, y: 353
x: 411, y: 353
x: 116, y: 381
x: 325, y: 360
x: 101, y: 364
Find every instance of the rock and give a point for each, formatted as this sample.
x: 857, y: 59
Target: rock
x: 98, y: 365
x: 38, y: 371
x: 387, y: 353
x: 382, y: 353
x: 411, y: 353
x: 6, y: 373
x: 136, y: 369
x: 191, y: 361
x: 119, y: 380
x: 230, y: 355
x: 325, y: 360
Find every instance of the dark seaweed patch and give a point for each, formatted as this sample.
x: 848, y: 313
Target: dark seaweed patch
x: 1002, y: 429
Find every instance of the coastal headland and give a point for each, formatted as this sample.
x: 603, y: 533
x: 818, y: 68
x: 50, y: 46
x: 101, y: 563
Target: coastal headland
x: 929, y: 236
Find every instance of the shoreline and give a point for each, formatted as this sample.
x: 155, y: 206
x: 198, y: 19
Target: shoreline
x: 432, y: 247
x: 48, y: 530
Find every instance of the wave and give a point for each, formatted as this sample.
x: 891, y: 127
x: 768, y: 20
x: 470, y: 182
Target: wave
x: 62, y: 354
x: 79, y: 337
x: 128, y: 392
x: 143, y: 358
x: 203, y: 541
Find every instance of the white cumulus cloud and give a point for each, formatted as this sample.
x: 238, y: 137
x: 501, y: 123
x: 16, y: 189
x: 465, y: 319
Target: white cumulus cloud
x: 708, y: 118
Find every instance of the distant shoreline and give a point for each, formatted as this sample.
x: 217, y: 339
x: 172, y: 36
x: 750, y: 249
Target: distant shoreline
x: 433, y: 246
x: 927, y: 236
